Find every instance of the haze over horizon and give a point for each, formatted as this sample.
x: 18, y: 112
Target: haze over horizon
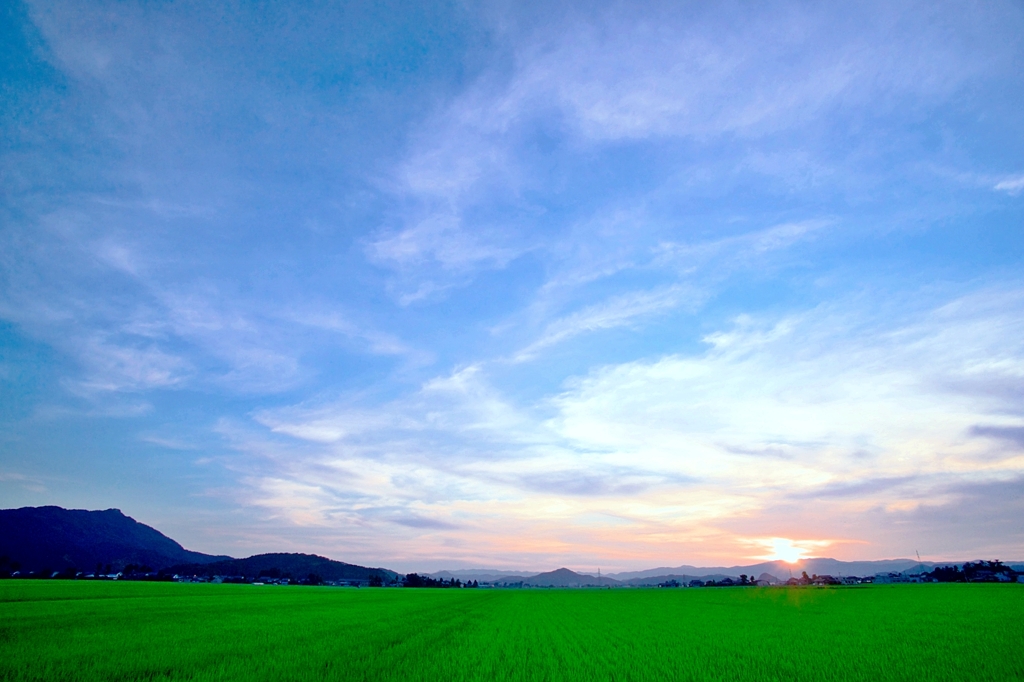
x: 523, y: 285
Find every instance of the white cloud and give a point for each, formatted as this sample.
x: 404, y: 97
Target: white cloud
x: 842, y: 409
x: 808, y: 400
x: 1012, y: 185
x: 460, y: 404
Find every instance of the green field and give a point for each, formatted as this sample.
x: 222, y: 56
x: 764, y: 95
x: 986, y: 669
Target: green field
x: 62, y: 630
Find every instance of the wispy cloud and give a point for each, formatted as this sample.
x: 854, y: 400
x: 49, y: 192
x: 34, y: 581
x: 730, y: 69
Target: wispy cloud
x: 30, y: 484
x: 117, y: 367
x: 733, y: 252
x: 441, y: 245
x: 665, y: 76
x: 611, y: 78
x: 365, y: 337
x: 169, y: 443
x: 617, y: 312
x: 1012, y: 185
x: 462, y: 402
x: 700, y: 267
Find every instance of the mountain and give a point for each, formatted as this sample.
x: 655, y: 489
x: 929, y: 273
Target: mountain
x: 55, y: 539
x: 561, y: 577
x: 296, y: 566
x: 783, y: 569
x: 682, y: 579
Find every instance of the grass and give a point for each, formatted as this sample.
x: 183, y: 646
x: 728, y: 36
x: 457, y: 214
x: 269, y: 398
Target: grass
x: 62, y: 630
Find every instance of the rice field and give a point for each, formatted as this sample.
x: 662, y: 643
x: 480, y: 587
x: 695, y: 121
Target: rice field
x: 65, y: 630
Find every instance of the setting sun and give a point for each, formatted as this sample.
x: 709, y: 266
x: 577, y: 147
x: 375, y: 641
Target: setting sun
x: 790, y: 551
x: 785, y: 550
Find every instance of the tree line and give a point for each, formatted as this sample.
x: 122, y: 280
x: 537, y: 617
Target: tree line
x: 416, y: 580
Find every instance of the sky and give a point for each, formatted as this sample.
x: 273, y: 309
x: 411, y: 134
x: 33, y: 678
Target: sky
x: 518, y: 285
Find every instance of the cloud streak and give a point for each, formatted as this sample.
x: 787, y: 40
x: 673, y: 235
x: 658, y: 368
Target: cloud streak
x: 1012, y: 186
x: 617, y: 312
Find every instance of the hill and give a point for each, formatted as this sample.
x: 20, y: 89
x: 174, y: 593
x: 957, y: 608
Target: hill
x: 57, y: 539
x: 561, y: 577
x: 284, y: 566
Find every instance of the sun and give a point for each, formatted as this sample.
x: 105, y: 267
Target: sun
x: 784, y: 549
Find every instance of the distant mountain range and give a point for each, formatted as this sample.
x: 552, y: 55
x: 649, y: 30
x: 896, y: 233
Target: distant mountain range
x: 56, y: 539
x: 782, y: 569
x: 771, y: 571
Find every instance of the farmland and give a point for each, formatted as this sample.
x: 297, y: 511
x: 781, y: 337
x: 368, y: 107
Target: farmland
x: 65, y: 630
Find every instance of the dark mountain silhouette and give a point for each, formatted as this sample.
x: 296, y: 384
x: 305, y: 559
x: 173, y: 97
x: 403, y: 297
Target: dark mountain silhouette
x: 296, y: 566
x: 57, y: 539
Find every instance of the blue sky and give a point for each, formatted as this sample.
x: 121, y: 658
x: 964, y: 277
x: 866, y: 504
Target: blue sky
x: 518, y: 285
